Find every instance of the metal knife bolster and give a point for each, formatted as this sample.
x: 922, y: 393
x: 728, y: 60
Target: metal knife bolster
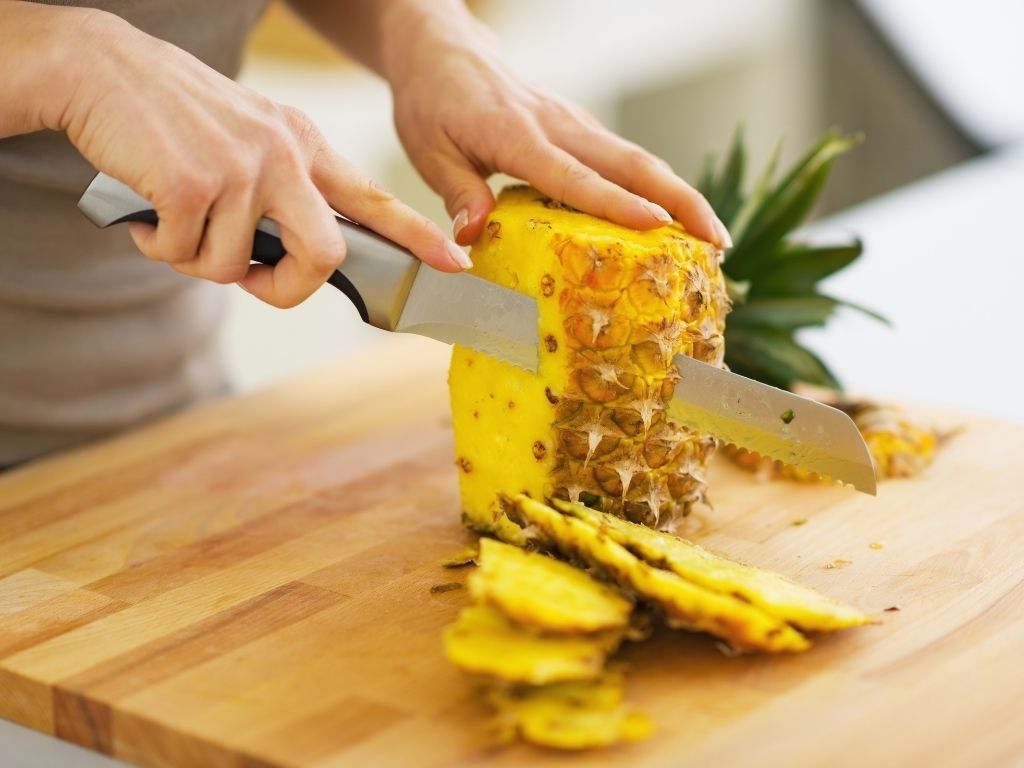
x: 377, y: 275
x: 772, y: 422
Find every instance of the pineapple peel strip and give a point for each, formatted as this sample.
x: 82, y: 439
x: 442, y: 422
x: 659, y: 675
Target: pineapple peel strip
x: 537, y: 591
x: 775, y: 594
x: 483, y: 642
x: 570, y: 716
x: 685, y: 604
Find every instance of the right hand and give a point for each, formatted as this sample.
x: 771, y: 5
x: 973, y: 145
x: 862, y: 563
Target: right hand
x: 213, y: 157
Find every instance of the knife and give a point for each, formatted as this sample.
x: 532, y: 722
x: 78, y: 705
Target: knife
x: 392, y: 290
x: 772, y: 422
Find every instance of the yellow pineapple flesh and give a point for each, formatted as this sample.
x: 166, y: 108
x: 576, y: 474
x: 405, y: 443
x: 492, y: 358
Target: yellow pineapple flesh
x: 483, y: 641
x: 570, y: 716
x: 773, y: 593
x: 686, y: 605
x: 615, y: 307
x: 537, y: 591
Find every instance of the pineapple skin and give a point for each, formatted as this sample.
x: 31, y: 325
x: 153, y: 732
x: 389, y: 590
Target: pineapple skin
x: 615, y: 306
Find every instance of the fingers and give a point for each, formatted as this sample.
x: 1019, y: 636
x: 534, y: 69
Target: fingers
x: 313, y: 244
x: 182, y: 218
x: 559, y: 174
x: 634, y: 168
x: 357, y: 196
x: 226, y: 246
x: 466, y: 195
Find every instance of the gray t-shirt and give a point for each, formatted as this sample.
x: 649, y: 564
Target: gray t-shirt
x: 93, y: 336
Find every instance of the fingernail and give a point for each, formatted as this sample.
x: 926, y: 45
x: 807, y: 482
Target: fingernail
x: 658, y: 212
x: 458, y: 255
x: 724, y: 238
x: 461, y: 220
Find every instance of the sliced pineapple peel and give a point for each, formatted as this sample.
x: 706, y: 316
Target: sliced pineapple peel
x: 537, y: 591
x: 483, y: 642
x: 772, y: 592
x: 685, y: 604
x: 570, y: 716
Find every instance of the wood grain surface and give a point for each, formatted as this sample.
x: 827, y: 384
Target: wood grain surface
x: 249, y: 584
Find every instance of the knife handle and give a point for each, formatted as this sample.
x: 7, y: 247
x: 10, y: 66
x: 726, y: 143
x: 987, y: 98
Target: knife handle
x: 376, y: 276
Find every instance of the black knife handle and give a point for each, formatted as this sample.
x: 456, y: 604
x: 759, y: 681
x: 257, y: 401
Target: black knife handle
x: 376, y: 275
x: 268, y: 249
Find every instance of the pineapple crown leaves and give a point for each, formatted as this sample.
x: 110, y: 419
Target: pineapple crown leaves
x: 773, y: 278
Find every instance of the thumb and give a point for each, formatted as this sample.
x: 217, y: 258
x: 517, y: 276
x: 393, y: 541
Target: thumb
x: 467, y: 198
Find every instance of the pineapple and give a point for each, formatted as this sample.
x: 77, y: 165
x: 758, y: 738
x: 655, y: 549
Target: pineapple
x: 772, y: 276
x: 615, y: 307
x: 686, y: 604
x: 483, y: 641
x: 800, y: 606
x: 537, y: 591
x: 900, y: 446
x: 570, y: 716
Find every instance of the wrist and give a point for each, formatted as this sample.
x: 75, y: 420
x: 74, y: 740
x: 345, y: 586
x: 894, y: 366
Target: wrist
x: 83, y: 42
x: 42, y: 63
x: 415, y: 34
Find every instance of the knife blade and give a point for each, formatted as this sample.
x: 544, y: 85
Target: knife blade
x: 390, y: 288
x: 772, y: 422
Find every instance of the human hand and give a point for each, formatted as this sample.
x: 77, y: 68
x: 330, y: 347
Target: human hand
x: 213, y: 157
x: 462, y: 115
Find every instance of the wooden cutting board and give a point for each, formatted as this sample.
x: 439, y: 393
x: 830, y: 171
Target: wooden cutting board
x: 249, y: 584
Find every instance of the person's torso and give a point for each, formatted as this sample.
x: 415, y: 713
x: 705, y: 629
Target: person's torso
x: 93, y: 336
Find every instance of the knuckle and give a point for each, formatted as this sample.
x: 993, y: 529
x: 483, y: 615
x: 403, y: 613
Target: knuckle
x: 191, y: 188
x: 278, y: 142
x: 175, y: 253
x: 300, y: 128
x: 427, y: 230
x: 639, y: 159
x: 283, y: 301
x: 374, y: 192
x: 226, y: 273
x: 639, y: 162
x: 294, y: 116
x: 509, y: 116
x: 561, y: 110
x: 574, y: 174
x: 325, y: 255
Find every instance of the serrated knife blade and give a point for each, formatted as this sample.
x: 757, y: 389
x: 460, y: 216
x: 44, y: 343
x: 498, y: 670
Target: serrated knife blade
x: 772, y: 422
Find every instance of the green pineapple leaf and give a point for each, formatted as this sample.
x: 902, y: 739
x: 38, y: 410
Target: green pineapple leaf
x: 774, y: 357
x: 778, y: 276
x: 796, y: 269
x: 753, y: 202
x: 786, y: 206
x: 784, y: 313
x: 724, y: 194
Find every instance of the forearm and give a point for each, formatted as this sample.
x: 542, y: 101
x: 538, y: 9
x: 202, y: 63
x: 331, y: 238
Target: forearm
x: 38, y: 64
x: 388, y: 35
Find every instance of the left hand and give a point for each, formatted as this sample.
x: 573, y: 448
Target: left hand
x: 462, y: 115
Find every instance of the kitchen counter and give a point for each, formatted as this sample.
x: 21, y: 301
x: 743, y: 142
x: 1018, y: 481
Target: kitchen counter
x: 250, y: 583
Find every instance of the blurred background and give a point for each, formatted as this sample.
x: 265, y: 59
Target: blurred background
x: 934, y: 191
